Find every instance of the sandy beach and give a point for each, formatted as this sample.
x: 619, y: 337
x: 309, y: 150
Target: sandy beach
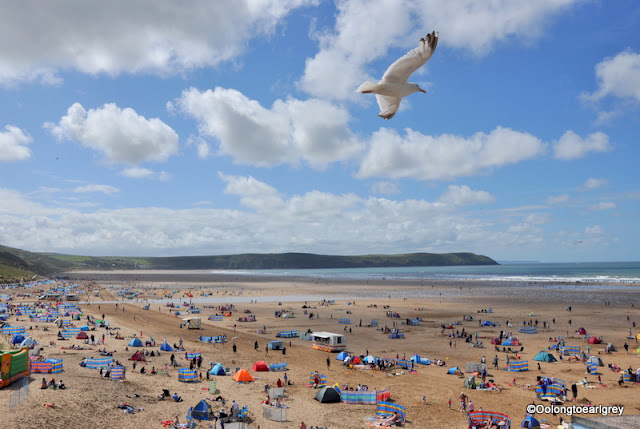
x: 91, y: 401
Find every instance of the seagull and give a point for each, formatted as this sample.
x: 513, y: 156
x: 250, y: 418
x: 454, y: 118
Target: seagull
x: 393, y: 85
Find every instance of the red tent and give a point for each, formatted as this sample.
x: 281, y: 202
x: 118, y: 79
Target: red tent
x: 582, y: 331
x: 82, y: 336
x: 594, y: 340
x: 139, y: 356
x: 260, y: 366
x: 496, y: 341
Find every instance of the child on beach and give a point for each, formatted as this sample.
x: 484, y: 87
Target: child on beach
x: 449, y: 403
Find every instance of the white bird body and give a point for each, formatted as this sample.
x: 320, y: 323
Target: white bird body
x: 394, y: 84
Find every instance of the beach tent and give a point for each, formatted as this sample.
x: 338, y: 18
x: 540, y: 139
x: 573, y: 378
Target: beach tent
x: 369, y: 359
x: 260, y: 366
x: 28, y: 342
x: 202, y: 411
x: 356, y: 360
x: 82, y: 336
x: 342, y: 356
x: 496, y: 341
x: 487, y: 323
x: 530, y: 423
x: 327, y: 395
x: 84, y: 328
x: 135, y: 343
x: 611, y: 347
x: 582, y: 331
x: 217, y: 370
x: 544, y: 356
x: 138, y: 356
x: 594, y: 360
x: 470, y: 382
x: 17, y: 339
x: 454, y: 371
x: 242, y: 376
x: 594, y: 340
x: 511, y: 342
x: 165, y: 347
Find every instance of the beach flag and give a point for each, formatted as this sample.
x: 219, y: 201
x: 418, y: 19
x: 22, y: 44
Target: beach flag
x: 386, y: 408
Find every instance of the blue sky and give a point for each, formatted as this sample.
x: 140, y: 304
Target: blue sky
x: 234, y: 127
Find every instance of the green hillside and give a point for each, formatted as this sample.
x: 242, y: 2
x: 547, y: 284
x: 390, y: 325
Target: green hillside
x: 16, y: 264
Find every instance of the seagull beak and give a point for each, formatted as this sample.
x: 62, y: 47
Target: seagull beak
x: 422, y: 90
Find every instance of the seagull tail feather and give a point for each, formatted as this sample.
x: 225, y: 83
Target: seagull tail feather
x: 367, y: 87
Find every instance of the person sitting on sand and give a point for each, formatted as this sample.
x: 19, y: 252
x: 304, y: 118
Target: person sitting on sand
x: 60, y: 385
x: 52, y: 383
x: 44, y: 383
x: 176, y: 397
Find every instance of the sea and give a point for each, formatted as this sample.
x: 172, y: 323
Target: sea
x: 575, y: 272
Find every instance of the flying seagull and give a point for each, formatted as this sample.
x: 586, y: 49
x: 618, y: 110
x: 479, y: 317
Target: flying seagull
x: 393, y: 86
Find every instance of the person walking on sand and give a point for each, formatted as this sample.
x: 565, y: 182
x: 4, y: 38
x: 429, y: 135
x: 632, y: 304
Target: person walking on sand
x: 328, y: 363
x: 266, y: 350
x: 463, y: 402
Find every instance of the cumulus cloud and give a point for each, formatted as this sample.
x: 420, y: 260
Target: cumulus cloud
x: 121, y: 135
x: 385, y: 188
x: 593, y: 230
x: 462, y: 195
x: 13, y: 144
x: 291, y: 131
x: 557, y: 199
x: 122, y: 37
x: 572, y: 146
x: 593, y: 183
x: 603, y: 205
x: 447, y: 156
x: 476, y: 27
x: 618, y: 77
x: 105, y: 189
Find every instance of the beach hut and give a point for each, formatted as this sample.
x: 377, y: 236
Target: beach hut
x: 259, y: 366
x: 165, y: 347
x: 242, y: 376
x: 545, y: 356
x: 202, y: 411
x: 135, y: 342
x: 217, y: 370
x: 327, y: 395
x: 328, y: 342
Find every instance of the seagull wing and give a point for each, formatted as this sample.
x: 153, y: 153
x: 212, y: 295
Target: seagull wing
x: 412, y: 61
x: 388, y: 105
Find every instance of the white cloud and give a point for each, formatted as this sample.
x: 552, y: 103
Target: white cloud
x: 593, y: 183
x: 593, y: 230
x: 346, y: 51
x: 385, y: 188
x: 105, y: 189
x: 571, y: 145
x: 537, y: 218
x: 118, y: 36
x: 618, y: 77
x: 121, y: 135
x: 13, y: 144
x: 291, y: 131
x: 145, y: 173
x: 447, y: 156
x: 557, y: 199
x: 462, y: 195
x: 604, y: 205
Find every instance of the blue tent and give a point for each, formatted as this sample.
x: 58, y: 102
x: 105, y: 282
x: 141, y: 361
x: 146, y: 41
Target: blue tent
x: 17, y: 339
x: 487, y: 323
x: 165, y: 347
x: 202, y: 411
x: 217, y: 370
x: 135, y: 343
x: 28, y: 342
x: 84, y: 328
x: 454, y: 370
x: 342, y: 356
x: 530, y: 422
